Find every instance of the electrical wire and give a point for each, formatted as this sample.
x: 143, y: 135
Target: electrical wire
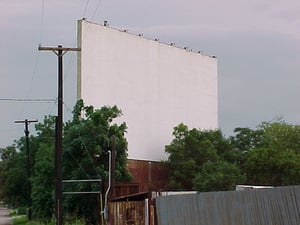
x: 85, y: 9
x: 68, y: 109
x: 89, y: 155
x: 34, y: 70
x: 69, y: 65
x: 46, y: 100
x: 38, y: 53
x: 96, y: 9
x: 79, y: 164
x: 42, y: 21
x: 91, y: 158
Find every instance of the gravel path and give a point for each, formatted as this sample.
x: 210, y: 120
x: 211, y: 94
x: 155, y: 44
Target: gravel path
x: 4, y: 217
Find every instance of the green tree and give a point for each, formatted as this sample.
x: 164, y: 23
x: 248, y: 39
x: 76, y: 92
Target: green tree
x: 272, y: 167
x: 281, y: 136
x: 218, y: 176
x: 192, y: 151
x: 13, y: 167
x: 277, y: 161
x: 87, y: 140
x: 43, y: 176
x: 246, y: 138
x: 13, y: 176
x: 43, y: 184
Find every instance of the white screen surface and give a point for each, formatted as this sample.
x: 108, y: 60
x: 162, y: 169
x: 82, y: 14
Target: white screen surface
x: 156, y: 85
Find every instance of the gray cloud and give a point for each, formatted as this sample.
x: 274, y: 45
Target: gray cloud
x: 257, y: 45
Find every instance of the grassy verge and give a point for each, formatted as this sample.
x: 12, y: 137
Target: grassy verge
x: 22, y: 220
x: 19, y: 220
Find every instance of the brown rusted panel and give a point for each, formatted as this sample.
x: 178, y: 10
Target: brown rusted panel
x: 124, y: 189
x: 150, y: 175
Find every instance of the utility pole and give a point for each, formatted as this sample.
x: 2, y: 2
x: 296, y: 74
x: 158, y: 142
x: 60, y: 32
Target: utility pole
x: 59, y: 51
x: 28, y: 164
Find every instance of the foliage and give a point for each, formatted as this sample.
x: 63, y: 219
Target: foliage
x: 207, y: 161
x: 13, y: 176
x: 42, y: 178
x: 191, y: 155
x: 87, y: 140
x: 14, y: 188
x: 42, y: 184
x: 202, y: 160
x: 245, y: 138
x: 218, y: 176
x: 277, y: 161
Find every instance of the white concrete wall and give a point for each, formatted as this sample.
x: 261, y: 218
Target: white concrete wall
x: 157, y: 86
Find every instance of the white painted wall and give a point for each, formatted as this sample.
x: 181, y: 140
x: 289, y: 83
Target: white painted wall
x: 157, y: 86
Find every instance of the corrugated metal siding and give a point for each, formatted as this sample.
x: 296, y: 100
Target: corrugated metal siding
x: 278, y: 206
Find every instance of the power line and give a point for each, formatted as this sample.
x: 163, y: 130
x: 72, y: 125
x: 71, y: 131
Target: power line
x: 35, y: 65
x: 85, y: 9
x: 42, y: 20
x: 45, y: 100
x: 79, y: 164
x: 96, y: 9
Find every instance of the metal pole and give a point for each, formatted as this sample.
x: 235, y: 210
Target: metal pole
x: 109, y: 185
x: 113, y: 165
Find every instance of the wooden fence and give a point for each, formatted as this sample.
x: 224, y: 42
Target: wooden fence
x: 128, y: 213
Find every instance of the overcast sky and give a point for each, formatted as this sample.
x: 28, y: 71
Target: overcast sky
x: 257, y: 44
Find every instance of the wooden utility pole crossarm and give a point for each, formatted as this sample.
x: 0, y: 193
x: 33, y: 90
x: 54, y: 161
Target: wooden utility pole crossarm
x: 58, y: 48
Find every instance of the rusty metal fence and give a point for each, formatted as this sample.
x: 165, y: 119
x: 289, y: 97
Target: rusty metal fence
x: 277, y: 206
